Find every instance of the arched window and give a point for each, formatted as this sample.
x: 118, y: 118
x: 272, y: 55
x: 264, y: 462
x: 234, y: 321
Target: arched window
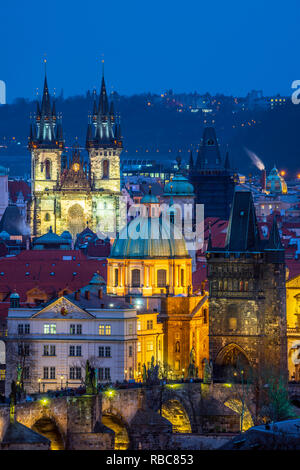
x: 177, y: 346
x: 48, y: 169
x: 136, y: 278
x: 105, y: 169
x: 161, y: 278
x: 47, y: 217
x: 232, y: 323
x: 116, y: 277
x: 182, y: 277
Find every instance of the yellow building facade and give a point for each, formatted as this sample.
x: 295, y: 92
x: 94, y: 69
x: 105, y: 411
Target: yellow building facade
x: 67, y: 193
x: 149, y: 257
x: 150, y: 341
x: 150, y: 265
x: 293, y: 327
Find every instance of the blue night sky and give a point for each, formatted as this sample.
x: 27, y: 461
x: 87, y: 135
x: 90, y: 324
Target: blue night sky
x: 221, y: 46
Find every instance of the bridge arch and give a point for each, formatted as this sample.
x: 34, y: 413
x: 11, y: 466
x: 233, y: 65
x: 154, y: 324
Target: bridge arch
x: 176, y: 414
x: 230, y: 357
x: 52, y: 412
x: 177, y: 403
x: 47, y: 427
x: 114, y: 421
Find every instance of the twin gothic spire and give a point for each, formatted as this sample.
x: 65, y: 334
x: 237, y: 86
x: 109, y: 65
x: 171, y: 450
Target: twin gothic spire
x: 46, y: 131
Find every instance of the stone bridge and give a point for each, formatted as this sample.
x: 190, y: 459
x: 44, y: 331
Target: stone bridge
x: 140, y: 418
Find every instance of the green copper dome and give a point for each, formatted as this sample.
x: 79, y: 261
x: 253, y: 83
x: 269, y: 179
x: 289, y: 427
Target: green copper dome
x: 149, y: 199
x: 179, y: 186
x: 275, y: 182
x: 149, y: 237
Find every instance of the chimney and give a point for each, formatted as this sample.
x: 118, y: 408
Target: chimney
x: 77, y: 295
x: 100, y: 293
x: 87, y: 295
x: 263, y: 179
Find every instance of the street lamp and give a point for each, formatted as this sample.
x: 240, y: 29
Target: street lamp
x: 39, y: 381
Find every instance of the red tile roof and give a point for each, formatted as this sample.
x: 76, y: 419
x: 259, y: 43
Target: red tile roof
x: 200, y: 275
x: 14, y: 187
x: 71, y: 270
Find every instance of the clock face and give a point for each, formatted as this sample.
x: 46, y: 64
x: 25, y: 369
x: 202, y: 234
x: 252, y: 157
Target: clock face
x: 76, y: 167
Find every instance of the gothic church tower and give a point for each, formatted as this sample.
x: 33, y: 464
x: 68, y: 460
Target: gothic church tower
x: 46, y: 145
x: 104, y: 145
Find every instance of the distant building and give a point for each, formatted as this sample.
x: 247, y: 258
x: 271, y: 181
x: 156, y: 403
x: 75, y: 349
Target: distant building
x: 52, y: 241
x: 276, y: 183
x: 212, y: 178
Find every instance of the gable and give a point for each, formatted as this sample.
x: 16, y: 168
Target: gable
x: 63, y: 308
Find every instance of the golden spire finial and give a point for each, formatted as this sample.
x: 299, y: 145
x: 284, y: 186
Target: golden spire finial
x: 45, y: 63
x: 102, y: 61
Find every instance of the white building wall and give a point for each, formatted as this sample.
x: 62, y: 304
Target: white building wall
x: 122, y: 336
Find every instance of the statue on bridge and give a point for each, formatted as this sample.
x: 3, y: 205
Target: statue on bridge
x: 207, y: 372
x: 13, y: 401
x: 192, y: 370
x: 90, y: 379
x: 150, y: 376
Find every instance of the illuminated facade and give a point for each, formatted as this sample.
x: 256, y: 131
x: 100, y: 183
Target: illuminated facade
x: 146, y: 259
x: 185, y: 327
x: 276, y: 183
x: 55, y: 340
x: 67, y: 194
x: 150, y: 341
x: 150, y: 265
x: 293, y: 326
